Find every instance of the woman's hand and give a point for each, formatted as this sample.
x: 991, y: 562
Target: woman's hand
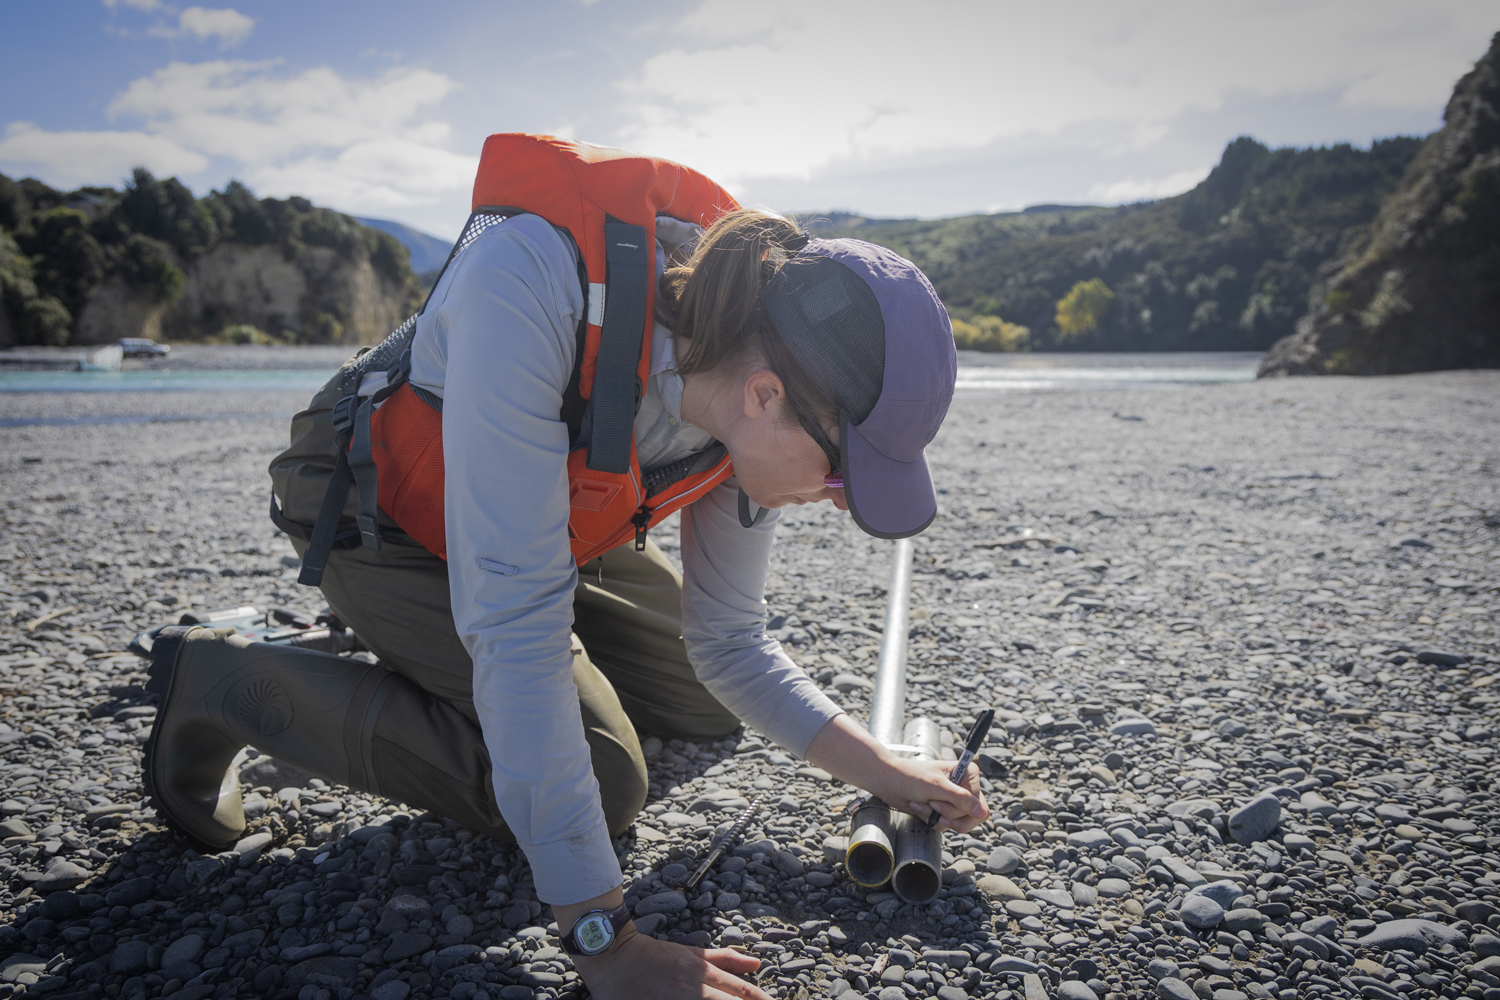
x: 639, y: 967
x: 921, y: 786
x: 849, y: 753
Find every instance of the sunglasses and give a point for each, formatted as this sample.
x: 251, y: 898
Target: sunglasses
x: 835, y: 478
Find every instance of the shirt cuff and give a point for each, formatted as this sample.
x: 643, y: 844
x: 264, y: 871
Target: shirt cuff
x: 573, y: 870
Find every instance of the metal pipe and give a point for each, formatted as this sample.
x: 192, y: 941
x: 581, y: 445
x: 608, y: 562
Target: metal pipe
x: 888, y: 705
x: 918, y: 873
x: 871, y: 858
x: 875, y: 838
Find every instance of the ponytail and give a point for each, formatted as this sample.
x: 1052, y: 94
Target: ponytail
x: 713, y: 303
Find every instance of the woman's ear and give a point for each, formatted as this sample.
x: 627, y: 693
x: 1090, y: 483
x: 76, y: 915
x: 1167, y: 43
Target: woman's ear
x: 764, y: 394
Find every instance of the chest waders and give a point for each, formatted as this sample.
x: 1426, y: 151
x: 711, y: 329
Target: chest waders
x: 343, y: 720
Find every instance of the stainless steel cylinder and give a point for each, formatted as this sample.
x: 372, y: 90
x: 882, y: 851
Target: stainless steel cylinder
x: 888, y: 703
x: 886, y: 845
x: 919, y: 860
x: 922, y: 734
x: 918, y: 873
x: 871, y: 857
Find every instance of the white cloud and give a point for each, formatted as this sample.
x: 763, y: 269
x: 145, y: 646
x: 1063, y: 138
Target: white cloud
x: 1144, y: 189
x: 774, y: 89
x: 226, y: 24
x: 351, y: 143
x: 104, y: 158
x: 137, y: 4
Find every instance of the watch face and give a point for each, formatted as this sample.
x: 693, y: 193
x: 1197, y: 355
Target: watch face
x: 594, y: 934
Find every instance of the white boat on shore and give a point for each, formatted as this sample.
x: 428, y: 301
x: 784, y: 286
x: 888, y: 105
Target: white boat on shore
x: 102, y: 359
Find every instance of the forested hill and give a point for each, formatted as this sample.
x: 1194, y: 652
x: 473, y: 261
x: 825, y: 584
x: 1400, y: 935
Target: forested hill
x: 1227, y: 266
x: 1421, y: 290
x: 96, y: 264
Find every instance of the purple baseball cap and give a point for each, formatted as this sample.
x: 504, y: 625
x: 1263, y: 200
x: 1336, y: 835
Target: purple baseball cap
x: 867, y: 328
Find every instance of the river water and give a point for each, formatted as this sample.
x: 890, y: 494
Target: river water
x: 978, y: 375
x: 982, y: 375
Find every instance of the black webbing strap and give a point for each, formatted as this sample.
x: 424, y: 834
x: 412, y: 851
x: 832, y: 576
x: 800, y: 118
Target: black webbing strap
x: 362, y: 454
x: 355, y: 465
x: 315, y: 559
x: 745, y: 519
x: 617, y: 388
x: 361, y: 464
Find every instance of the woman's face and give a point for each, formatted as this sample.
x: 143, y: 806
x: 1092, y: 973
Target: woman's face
x: 776, y: 461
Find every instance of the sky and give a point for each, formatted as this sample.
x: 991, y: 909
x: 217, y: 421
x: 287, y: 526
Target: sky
x: 932, y: 109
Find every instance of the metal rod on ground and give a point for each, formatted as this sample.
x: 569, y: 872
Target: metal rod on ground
x: 722, y: 842
x: 886, y: 845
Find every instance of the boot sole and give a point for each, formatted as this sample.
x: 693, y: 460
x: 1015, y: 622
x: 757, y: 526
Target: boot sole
x: 164, y: 652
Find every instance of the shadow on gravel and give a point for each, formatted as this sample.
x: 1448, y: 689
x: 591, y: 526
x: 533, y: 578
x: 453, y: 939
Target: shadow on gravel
x: 329, y: 896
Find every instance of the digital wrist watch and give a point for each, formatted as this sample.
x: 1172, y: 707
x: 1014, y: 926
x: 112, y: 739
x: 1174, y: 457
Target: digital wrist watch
x: 596, y: 931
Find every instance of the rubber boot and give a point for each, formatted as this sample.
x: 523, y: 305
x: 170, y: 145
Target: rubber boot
x: 343, y: 720
x: 219, y: 693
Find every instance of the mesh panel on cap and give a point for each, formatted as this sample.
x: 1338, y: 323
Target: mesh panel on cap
x: 830, y: 321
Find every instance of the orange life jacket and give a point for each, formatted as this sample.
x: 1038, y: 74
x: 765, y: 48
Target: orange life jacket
x: 607, y: 201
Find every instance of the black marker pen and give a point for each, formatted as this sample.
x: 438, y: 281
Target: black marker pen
x: 971, y: 747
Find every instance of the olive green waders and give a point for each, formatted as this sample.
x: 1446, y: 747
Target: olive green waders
x: 406, y: 728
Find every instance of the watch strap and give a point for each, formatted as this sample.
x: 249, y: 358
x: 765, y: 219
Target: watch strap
x: 618, y: 918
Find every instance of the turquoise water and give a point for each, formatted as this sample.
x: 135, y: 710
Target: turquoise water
x: 246, y: 380
x: 981, y: 375
x: 979, y: 381
x: 978, y: 375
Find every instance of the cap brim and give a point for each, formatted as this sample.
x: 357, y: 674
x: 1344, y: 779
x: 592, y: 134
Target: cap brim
x: 887, y: 498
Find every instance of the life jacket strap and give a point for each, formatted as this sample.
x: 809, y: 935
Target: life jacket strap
x: 746, y: 521
x: 617, y: 384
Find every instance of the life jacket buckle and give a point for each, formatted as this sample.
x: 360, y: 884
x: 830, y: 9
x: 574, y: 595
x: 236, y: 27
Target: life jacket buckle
x: 342, y: 414
x: 400, y: 371
x: 369, y: 531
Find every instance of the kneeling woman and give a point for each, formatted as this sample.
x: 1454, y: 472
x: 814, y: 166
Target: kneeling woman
x: 522, y: 647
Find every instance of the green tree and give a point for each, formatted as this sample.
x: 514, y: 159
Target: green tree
x: 990, y: 333
x: 148, y: 264
x: 1081, y: 310
x: 167, y: 211
x: 12, y: 203
x: 249, y: 222
x: 67, y: 259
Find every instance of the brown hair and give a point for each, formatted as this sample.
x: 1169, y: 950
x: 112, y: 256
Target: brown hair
x: 713, y: 302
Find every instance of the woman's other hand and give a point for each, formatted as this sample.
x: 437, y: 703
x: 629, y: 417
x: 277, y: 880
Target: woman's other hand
x: 642, y: 968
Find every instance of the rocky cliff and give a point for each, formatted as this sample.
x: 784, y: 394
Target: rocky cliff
x: 1421, y: 290
x: 318, y: 297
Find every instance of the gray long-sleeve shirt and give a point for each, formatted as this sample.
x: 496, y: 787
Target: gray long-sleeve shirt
x: 497, y: 344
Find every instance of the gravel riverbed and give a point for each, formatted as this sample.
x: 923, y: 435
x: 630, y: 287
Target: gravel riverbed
x: 1241, y: 639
